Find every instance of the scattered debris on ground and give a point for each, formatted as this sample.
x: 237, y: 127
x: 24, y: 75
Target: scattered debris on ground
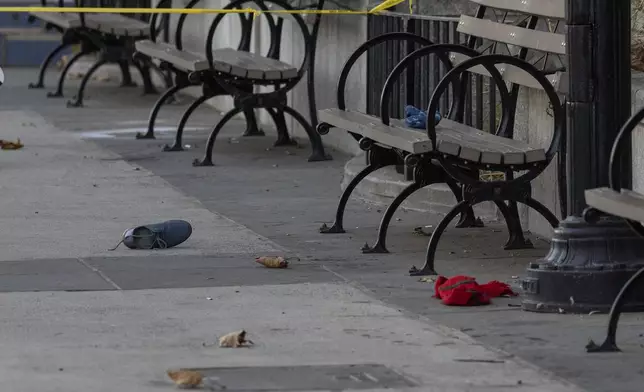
x: 272, y: 261
x: 185, y: 378
x: 235, y: 340
x: 9, y: 145
x: 465, y: 291
x: 424, y: 230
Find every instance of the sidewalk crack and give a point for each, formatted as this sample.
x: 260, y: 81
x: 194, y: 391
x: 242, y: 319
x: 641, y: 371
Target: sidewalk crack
x: 100, y: 273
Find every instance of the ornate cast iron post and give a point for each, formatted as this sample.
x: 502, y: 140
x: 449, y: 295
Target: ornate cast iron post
x: 591, y: 256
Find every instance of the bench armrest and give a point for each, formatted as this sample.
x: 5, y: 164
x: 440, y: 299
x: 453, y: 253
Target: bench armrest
x: 163, y: 25
x: 237, y: 4
x: 178, y: 37
x: 491, y: 61
x: 362, y: 49
x: 81, y: 4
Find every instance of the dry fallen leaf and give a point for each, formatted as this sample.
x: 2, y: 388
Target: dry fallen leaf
x: 272, y: 261
x: 62, y: 62
x: 234, y: 340
x: 185, y: 378
x: 9, y: 145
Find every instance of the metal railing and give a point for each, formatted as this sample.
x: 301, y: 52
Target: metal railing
x: 417, y: 83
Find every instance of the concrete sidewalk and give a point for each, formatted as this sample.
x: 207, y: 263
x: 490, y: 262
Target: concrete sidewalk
x: 124, y: 341
x: 76, y: 199
x: 65, y: 198
x: 79, y: 318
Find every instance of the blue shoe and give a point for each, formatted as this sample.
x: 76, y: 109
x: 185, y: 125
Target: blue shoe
x: 157, y: 236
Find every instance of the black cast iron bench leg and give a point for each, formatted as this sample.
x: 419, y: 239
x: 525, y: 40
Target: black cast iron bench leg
x: 283, y: 138
x: 78, y: 101
x: 610, y: 343
x: 428, y: 268
x: 163, y: 99
x: 45, y: 65
x: 126, y: 75
x: 178, y: 144
x: 61, y: 78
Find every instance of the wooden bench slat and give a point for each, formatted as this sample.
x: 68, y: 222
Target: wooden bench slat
x: 107, y: 23
x: 453, y: 139
x: 252, y: 65
x: 65, y: 21
x: 542, y: 41
x: 479, y: 146
x: 117, y: 24
x: 371, y: 127
x: 513, y: 74
x: 183, y: 59
x: 625, y: 204
x: 555, y: 9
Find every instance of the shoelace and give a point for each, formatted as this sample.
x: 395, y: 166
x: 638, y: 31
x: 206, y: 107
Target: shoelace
x: 157, y: 241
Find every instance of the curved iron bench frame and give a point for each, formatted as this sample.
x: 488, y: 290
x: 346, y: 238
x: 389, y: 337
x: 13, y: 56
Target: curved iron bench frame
x: 428, y: 173
x: 183, y: 80
x: 119, y: 49
x: 465, y: 172
x: 592, y: 215
x: 274, y: 102
x: 110, y: 47
x: 378, y: 157
x: 69, y: 38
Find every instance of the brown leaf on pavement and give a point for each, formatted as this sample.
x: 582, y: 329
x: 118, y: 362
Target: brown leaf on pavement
x: 234, y: 340
x: 272, y: 261
x: 9, y: 145
x: 185, y: 378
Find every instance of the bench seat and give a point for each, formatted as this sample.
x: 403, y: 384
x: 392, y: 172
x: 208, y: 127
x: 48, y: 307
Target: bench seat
x: 115, y: 24
x: 625, y: 204
x: 65, y: 21
x: 453, y: 138
x: 181, y: 59
x: 227, y: 60
x: 252, y: 66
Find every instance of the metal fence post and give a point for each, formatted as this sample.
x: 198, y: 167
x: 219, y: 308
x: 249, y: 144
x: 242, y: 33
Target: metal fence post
x: 588, y: 263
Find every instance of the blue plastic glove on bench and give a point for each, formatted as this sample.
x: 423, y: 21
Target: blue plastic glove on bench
x: 417, y: 119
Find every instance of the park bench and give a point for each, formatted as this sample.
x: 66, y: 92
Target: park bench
x: 182, y: 63
x: 623, y: 203
x: 236, y: 72
x: 239, y: 73
x: 110, y: 36
x: 452, y: 152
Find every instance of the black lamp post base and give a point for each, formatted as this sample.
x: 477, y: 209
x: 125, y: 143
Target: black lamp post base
x: 586, y: 267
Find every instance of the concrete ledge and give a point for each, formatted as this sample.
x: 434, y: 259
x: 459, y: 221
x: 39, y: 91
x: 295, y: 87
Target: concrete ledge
x: 384, y: 185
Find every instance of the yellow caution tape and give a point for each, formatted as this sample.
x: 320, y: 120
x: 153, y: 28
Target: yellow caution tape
x: 98, y: 10
x: 385, y: 5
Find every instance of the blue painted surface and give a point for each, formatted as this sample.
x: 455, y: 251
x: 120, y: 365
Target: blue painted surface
x: 25, y: 53
x: 15, y: 51
x: 19, y: 19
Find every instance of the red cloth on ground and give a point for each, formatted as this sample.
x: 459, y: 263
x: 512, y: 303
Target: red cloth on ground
x: 464, y: 291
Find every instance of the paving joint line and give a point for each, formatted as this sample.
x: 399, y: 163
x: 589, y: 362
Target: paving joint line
x: 99, y: 273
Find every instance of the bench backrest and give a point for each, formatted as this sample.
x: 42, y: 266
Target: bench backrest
x: 524, y: 28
